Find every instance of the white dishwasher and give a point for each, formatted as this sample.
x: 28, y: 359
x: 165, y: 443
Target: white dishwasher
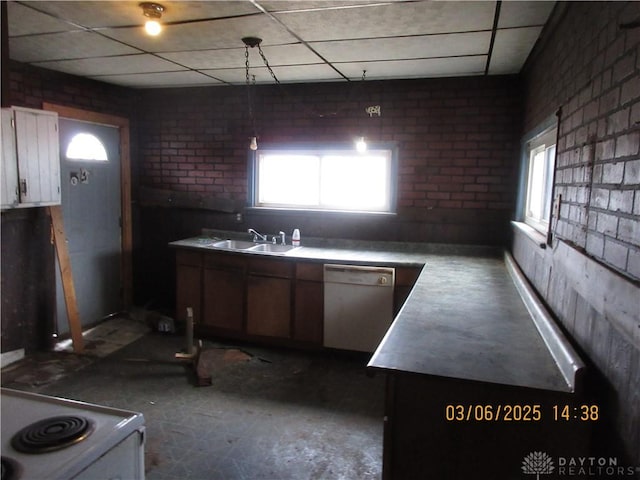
x: 358, y: 306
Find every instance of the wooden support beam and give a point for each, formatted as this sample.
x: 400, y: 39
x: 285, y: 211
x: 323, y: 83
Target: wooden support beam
x: 75, y: 327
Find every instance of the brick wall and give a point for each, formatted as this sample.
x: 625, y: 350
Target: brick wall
x: 589, y: 68
x: 457, y: 142
x: 31, y: 86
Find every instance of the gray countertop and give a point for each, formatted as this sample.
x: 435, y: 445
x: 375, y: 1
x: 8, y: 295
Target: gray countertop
x: 464, y: 317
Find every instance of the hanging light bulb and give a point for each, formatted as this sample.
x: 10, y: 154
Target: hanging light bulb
x: 153, y: 11
x: 361, y: 145
x: 152, y: 27
x: 253, y: 144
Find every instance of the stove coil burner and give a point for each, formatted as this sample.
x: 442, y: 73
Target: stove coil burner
x: 50, y: 434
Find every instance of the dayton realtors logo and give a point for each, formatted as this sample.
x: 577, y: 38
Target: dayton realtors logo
x: 540, y: 463
x: 537, y: 463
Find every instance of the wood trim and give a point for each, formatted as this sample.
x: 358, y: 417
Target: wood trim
x: 60, y: 240
x: 125, y: 183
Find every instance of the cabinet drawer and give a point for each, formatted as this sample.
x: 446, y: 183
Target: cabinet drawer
x: 188, y: 258
x: 310, y: 271
x: 224, y: 260
x: 271, y: 268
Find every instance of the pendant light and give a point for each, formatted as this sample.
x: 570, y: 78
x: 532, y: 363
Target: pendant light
x: 252, y: 42
x: 153, y: 11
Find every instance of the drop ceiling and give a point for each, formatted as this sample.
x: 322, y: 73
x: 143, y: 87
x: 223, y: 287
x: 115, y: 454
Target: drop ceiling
x: 303, y: 40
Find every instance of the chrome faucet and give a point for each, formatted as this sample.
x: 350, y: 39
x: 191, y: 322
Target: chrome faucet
x: 257, y: 236
x: 282, y: 238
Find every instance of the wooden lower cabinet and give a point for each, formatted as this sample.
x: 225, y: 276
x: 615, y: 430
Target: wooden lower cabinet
x: 268, y: 306
x: 308, y: 318
x: 223, y: 299
x: 223, y: 286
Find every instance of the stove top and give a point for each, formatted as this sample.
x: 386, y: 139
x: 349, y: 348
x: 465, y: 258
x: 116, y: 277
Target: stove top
x: 55, y: 438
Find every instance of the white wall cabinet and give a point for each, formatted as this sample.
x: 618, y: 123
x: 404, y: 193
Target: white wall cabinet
x: 30, y: 158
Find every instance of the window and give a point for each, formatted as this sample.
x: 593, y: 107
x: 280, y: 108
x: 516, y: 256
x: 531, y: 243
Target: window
x: 541, y: 153
x: 339, y: 179
x: 84, y: 146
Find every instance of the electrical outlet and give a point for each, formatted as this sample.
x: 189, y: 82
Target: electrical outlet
x: 239, y: 217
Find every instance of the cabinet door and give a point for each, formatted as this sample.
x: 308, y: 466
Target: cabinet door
x: 269, y: 306
x: 188, y: 285
x: 309, y: 312
x: 308, y: 319
x: 9, y: 186
x: 38, y: 157
x: 223, y: 301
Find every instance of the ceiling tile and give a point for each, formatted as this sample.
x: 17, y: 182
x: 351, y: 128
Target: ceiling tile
x: 164, y: 79
x: 511, y: 48
x: 391, y: 20
x: 58, y: 46
x: 401, y: 48
x: 293, y: 5
x: 32, y: 21
x: 122, y: 13
x: 234, y: 57
x: 524, y: 14
x: 432, y: 67
x: 227, y: 33
x: 142, y: 63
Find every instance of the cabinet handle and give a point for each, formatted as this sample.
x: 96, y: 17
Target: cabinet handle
x: 23, y: 187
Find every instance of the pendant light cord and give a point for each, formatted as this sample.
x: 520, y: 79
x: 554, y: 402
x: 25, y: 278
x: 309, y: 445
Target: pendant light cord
x: 249, y: 91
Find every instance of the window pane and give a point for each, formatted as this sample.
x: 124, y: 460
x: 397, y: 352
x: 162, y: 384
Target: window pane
x: 85, y: 146
x: 550, y: 155
x: 536, y: 184
x: 355, y: 182
x: 324, y: 179
x: 288, y: 179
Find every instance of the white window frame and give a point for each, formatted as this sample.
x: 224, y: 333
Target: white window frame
x: 321, y: 156
x: 540, y: 157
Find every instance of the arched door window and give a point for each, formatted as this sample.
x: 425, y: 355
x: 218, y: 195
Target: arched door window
x: 84, y: 146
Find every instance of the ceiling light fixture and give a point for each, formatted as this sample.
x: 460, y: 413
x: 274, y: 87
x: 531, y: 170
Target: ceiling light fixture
x: 153, y: 11
x: 252, y: 42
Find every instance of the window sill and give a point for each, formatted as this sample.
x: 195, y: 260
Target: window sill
x: 534, y: 235
x: 306, y: 212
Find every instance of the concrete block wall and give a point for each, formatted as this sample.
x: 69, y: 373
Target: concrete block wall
x: 587, y: 67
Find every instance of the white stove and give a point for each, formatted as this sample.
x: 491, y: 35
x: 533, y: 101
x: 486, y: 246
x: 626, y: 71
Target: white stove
x: 54, y: 438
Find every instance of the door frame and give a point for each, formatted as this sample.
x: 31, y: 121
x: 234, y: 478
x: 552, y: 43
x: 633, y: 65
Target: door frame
x: 122, y: 124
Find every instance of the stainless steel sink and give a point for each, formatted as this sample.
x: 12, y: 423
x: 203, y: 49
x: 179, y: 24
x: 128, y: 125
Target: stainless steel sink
x: 233, y: 244
x: 272, y: 248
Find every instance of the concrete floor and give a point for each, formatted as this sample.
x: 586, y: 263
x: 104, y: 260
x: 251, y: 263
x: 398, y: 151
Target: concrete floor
x: 270, y: 413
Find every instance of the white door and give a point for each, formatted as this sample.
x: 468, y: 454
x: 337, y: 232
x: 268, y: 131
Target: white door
x: 91, y: 208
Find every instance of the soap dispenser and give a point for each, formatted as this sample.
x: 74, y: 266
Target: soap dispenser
x: 295, y: 238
